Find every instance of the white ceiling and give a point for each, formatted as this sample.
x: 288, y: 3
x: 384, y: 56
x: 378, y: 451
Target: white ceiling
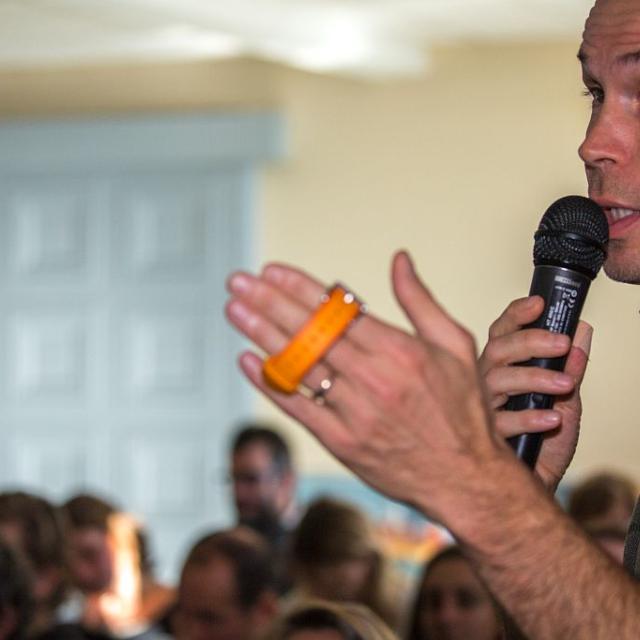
x: 361, y: 37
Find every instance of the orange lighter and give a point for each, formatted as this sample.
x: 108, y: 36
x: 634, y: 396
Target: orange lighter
x: 285, y: 370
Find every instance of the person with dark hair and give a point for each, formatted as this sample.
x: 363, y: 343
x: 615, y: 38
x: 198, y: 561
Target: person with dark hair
x: 16, y: 598
x: 263, y: 481
x: 604, y: 499
x: 264, y: 485
x: 227, y: 588
x: 90, y: 556
x: 335, y: 556
x: 111, y: 569
x: 602, y: 504
x: 33, y: 526
x: 451, y: 602
x: 322, y: 620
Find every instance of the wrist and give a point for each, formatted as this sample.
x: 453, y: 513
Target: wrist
x: 488, y: 493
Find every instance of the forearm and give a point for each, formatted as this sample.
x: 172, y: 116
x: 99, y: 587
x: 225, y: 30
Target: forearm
x: 546, y: 573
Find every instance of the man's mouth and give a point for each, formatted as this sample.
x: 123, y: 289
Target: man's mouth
x: 615, y: 215
x: 620, y: 220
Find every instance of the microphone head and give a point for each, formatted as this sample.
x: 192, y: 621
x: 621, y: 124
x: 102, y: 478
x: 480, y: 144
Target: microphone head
x: 573, y: 233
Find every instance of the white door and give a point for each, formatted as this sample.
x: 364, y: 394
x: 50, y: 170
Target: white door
x: 117, y: 371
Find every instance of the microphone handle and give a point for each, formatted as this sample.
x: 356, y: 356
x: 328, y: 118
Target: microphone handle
x: 564, y: 292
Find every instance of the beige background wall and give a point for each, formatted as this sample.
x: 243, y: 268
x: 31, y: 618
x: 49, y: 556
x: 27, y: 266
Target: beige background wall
x: 457, y: 166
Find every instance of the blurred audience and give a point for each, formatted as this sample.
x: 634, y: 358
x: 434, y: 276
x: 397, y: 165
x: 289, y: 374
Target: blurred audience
x: 321, y: 620
x: 602, y: 505
x: 335, y: 556
x: 110, y: 568
x: 16, y: 599
x: 264, y: 486
x: 32, y: 526
x: 227, y: 589
x: 452, y: 603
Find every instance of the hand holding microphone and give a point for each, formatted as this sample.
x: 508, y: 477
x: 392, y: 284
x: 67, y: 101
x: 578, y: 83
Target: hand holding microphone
x: 528, y: 349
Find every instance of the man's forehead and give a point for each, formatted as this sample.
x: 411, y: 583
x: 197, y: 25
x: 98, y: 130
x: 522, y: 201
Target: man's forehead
x: 257, y: 452
x: 611, y: 24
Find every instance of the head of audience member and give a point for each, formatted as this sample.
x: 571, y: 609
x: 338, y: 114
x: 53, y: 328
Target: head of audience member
x: 323, y: 620
x: 602, y: 505
x: 263, y: 478
x: 226, y: 589
x: 335, y: 556
x: 32, y: 526
x: 16, y: 599
x: 90, y: 552
x: 452, y: 603
x: 110, y: 563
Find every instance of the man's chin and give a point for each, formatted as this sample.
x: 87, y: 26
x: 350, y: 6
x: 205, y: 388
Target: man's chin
x: 623, y: 273
x: 622, y: 263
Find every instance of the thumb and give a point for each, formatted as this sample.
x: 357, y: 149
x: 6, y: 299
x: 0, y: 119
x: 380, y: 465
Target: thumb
x: 430, y: 320
x: 579, y: 354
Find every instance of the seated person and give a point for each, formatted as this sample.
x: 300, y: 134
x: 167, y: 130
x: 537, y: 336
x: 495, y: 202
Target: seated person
x: 321, y: 620
x: 335, y: 556
x: 32, y: 526
x: 16, y: 598
x: 264, y: 485
x: 452, y: 603
x: 109, y: 567
x: 602, y: 505
x: 227, y: 588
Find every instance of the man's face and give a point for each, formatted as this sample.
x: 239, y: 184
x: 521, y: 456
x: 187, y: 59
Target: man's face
x: 610, y: 56
x: 208, y: 607
x: 259, y: 490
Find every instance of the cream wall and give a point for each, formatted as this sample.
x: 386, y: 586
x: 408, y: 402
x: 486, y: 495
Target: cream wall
x: 457, y: 166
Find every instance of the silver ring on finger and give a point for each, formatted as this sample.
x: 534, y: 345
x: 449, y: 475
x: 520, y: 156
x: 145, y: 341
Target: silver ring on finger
x: 319, y: 395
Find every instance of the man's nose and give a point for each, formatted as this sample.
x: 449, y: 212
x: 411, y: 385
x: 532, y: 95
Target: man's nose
x: 609, y: 139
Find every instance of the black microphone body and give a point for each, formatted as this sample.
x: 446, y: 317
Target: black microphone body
x: 564, y: 292
x: 568, y: 253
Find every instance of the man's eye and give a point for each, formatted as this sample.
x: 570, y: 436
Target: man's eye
x: 595, y: 93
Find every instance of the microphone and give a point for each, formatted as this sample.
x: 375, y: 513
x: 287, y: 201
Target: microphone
x: 569, y: 249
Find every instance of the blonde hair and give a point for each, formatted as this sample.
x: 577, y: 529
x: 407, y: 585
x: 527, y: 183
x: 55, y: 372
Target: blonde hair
x: 333, y: 531
x: 353, y: 621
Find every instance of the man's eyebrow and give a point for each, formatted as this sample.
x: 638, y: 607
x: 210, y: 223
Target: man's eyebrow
x: 629, y: 58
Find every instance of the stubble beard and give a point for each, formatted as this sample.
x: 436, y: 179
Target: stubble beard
x: 622, y: 264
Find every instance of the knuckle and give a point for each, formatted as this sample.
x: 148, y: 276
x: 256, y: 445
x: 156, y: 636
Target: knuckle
x: 495, y: 328
x: 467, y: 340
x: 391, y: 396
x: 490, y: 355
x: 409, y: 356
x: 492, y: 382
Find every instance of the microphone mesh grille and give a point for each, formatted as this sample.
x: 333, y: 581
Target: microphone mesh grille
x: 573, y: 233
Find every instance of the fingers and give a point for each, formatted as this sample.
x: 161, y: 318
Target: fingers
x: 287, y: 312
x: 269, y: 337
x: 515, y: 423
x: 322, y: 421
x: 503, y: 382
x: 270, y: 318
x: 518, y: 314
x: 297, y: 285
x: 521, y: 346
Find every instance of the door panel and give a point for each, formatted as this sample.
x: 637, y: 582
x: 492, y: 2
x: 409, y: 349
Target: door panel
x: 117, y: 371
